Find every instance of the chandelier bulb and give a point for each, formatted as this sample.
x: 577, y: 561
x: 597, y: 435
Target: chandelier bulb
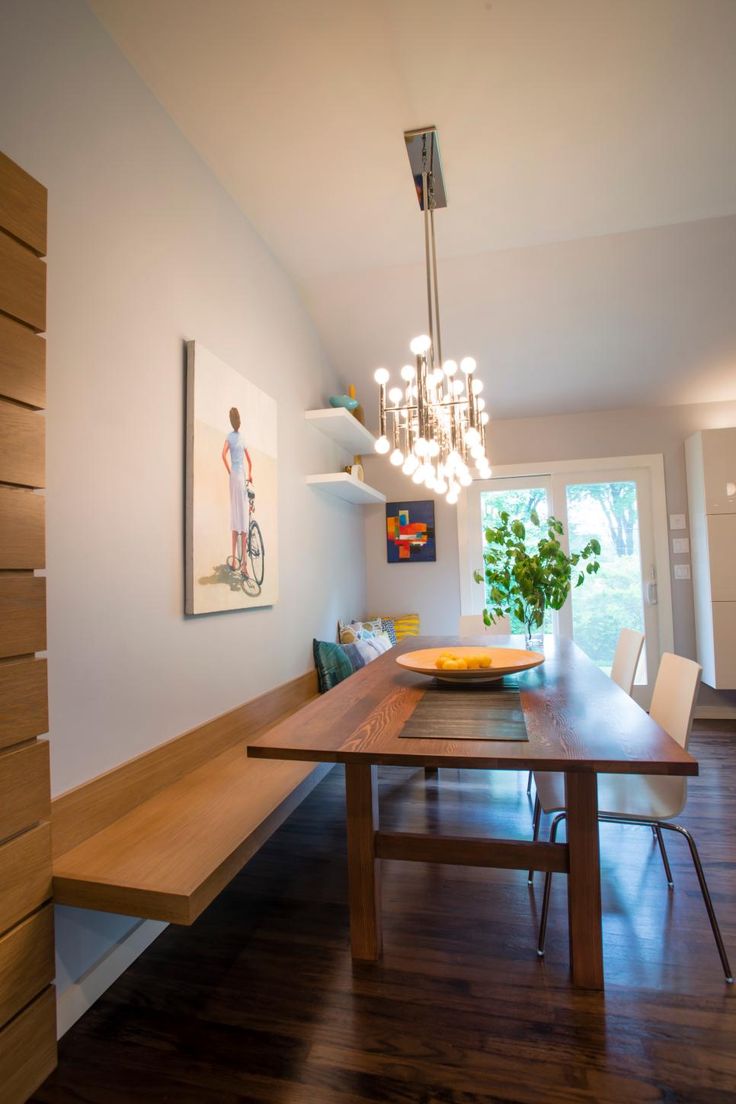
x: 481, y: 404
x: 408, y: 372
x: 485, y: 418
x: 383, y: 445
x: 468, y: 365
x: 450, y: 368
x: 397, y: 458
x: 381, y: 375
x: 396, y: 395
x: 477, y: 386
x: 421, y: 344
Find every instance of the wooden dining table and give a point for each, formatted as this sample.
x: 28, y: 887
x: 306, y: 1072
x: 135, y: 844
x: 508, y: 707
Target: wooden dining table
x: 568, y: 716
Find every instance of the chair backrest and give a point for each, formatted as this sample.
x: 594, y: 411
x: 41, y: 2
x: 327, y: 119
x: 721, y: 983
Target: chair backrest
x: 626, y: 658
x: 472, y: 624
x: 673, y: 699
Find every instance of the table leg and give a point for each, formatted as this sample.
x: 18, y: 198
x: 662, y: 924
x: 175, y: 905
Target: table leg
x: 361, y: 794
x: 584, y: 881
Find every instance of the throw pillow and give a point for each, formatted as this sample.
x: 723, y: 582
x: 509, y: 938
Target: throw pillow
x: 358, y: 630
x: 387, y: 624
x: 332, y: 663
x: 353, y: 653
x: 407, y: 624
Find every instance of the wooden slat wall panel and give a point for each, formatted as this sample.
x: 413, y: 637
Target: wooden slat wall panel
x: 26, y: 961
x: 24, y: 787
x: 23, y: 204
x: 22, y: 446
x: 22, y: 529
x: 22, y: 616
x: 22, y: 284
x: 28, y: 1049
x: 25, y: 874
x: 24, y: 711
x: 22, y: 363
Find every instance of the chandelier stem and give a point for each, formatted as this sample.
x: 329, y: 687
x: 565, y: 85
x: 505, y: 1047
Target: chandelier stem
x: 439, y: 360
x: 428, y: 250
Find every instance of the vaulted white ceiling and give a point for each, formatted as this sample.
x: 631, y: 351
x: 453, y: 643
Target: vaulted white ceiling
x: 568, y: 130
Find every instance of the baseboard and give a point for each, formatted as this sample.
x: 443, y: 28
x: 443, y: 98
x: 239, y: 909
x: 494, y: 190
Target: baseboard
x: 715, y: 713
x: 79, y: 997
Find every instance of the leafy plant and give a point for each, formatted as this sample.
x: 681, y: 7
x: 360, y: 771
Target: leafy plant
x: 523, y: 580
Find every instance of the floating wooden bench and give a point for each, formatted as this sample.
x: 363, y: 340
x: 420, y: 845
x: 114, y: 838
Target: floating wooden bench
x: 160, y: 836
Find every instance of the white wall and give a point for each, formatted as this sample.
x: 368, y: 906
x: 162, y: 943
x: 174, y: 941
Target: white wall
x: 433, y: 590
x: 145, y: 251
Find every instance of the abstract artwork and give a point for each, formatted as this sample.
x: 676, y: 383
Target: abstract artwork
x: 410, y: 532
x: 231, y: 477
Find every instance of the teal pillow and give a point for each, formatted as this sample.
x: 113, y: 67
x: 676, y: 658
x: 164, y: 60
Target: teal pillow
x: 332, y: 663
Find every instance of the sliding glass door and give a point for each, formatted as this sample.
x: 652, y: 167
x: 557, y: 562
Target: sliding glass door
x: 616, y: 506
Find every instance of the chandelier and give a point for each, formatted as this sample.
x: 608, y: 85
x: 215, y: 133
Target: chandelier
x: 434, y: 424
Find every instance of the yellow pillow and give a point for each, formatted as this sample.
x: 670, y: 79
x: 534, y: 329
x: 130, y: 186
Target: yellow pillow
x: 407, y: 624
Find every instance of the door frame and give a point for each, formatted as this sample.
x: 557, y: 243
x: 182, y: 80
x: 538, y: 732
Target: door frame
x: 471, y: 593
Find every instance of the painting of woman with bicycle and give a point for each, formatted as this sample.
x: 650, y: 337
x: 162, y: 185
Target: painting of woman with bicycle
x: 230, y: 423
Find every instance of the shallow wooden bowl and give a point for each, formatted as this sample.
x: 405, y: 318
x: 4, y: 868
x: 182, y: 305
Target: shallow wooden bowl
x: 504, y: 661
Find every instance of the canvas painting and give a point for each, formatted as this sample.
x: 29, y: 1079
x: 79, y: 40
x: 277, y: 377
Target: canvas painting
x: 410, y: 536
x: 231, y: 515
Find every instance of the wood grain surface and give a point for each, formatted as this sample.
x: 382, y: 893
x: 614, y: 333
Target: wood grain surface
x: 22, y: 445
x: 22, y: 614
x: 24, y: 711
x: 28, y: 1049
x: 26, y: 961
x: 22, y: 363
x: 576, y: 718
x: 22, y: 284
x: 22, y: 529
x: 23, y: 203
x: 24, y: 787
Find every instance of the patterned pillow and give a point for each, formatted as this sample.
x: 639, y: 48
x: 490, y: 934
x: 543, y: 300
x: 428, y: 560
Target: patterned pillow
x: 371, y: 647
x: 387, y: 624
x: 405, y: 625
x: 332, y: 663
x: 353, y: 653
x: 358, y: 630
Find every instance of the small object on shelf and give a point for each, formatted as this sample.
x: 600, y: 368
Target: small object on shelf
x: 357, y: 410
x: 349, y: 402
x: 356, y: 469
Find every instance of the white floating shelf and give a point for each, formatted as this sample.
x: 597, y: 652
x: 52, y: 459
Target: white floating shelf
x: 344, y: 486
x: 340, y: 426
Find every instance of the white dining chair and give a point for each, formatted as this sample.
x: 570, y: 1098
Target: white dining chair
x: 623, y: 672
x: 472, y: 624
x: 649, y: 800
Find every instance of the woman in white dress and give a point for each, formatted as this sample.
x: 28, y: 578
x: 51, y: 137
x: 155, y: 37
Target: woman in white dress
x: 236, y: 448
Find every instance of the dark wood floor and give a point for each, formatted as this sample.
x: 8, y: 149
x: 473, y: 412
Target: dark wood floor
x: 258, y: 1001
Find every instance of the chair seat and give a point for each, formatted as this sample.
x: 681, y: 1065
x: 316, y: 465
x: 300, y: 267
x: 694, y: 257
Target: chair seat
x: 630, y: 796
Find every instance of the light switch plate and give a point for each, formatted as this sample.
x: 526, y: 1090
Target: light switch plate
x: 677, y: 521
x: 682, y: 571
x: 680, y: 546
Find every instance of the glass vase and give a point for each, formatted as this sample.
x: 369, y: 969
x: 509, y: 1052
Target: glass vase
x: 533, y: 633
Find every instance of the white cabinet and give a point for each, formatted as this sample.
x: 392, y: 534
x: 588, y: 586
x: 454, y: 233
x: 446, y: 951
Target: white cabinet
x: 711, y: 486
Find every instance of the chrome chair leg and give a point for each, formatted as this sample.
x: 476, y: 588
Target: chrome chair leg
x: 535, y: 830
x: 706, y: 895
x: 663, y: 852
x: 529, y: 783
x: 547, y: 888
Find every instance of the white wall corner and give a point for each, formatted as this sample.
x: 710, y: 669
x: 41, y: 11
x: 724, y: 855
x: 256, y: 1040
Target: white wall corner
x: 74, y: 1001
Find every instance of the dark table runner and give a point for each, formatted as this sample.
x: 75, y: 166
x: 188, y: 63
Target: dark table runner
x: 467, y: 711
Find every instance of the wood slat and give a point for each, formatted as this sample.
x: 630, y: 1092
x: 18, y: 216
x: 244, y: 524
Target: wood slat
x: 87, y: 809
x: 24, y: 787
x: 24, y: 709
x: 22, y: 616
x: 22, y: 529
x: 26, y: 961
x: 22, y: 446
x: 23, y: 203
x: 25, y: 874
x: 22, y: 363
x: 22, y: 284
x: 502, y: 854
x: 28, y: 1049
